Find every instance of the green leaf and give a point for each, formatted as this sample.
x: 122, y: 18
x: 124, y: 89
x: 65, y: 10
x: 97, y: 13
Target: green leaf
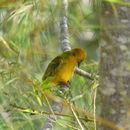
x: 45, y: 83
x: 9, y: 82
x: 113, y: 1
x: 35, y: 93
x: 39, y: 100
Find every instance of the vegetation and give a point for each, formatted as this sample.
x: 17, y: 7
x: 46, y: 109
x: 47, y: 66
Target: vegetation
x: 30, y: 39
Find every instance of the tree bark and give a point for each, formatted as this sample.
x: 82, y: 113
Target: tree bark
x: 114, y: 89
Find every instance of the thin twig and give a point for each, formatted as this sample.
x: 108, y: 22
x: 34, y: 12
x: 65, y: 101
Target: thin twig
x: 37, y: 112
x: 94, y: 107
x: 76, y: 117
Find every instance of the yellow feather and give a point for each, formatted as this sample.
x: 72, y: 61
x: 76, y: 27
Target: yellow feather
x: 62, y: 67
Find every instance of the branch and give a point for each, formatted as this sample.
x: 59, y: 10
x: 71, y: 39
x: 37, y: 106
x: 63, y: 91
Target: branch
x: 85, y: 74
x: 65, y: 46
x: 64, y: 38
x: 50, y: 122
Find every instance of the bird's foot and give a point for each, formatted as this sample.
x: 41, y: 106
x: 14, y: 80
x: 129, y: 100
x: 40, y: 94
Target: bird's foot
x: 67, y: 84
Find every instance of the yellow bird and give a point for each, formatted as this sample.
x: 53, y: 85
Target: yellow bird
x: 62, y: 67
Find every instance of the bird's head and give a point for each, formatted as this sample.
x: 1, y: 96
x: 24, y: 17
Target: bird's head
x: 79, y: 54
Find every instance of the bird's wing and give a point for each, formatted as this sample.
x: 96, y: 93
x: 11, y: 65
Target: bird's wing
x: 52, y: 67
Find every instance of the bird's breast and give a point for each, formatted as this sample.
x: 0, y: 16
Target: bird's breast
x: 66, y: 71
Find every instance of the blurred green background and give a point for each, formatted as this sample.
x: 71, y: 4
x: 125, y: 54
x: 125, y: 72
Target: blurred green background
x: 29, y: 40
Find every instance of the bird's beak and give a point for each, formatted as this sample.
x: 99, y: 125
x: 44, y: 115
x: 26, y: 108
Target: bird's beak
x: 79, y: 63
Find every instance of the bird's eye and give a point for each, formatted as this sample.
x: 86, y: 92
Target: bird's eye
x: 79, y: 63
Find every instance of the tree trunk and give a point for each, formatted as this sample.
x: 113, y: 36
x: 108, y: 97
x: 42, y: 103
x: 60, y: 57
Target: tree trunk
x: 114, y: 90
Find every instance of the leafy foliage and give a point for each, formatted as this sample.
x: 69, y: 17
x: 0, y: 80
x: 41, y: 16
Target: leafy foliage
x: 29, y: 39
